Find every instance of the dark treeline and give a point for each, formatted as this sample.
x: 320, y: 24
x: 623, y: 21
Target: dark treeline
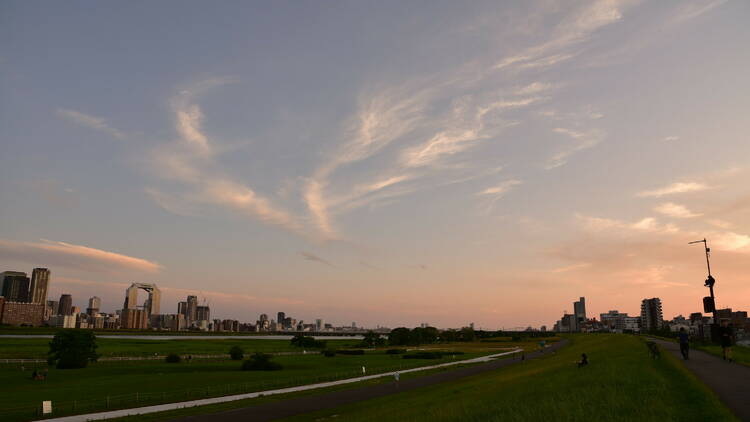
x: 403, y: 336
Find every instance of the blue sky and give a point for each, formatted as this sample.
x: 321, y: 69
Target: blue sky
x: 384, y: 163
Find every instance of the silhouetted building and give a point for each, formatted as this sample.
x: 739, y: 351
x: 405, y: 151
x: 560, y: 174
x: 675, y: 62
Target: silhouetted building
x: 182, y: 309
x: 192, y: 309
x: 579, y: 309
x: 203, y: 313
x: 39, y: 285
x: 65, y: 306
x: 651, y: 315
x: 280, y: 317
x: 15, y: 286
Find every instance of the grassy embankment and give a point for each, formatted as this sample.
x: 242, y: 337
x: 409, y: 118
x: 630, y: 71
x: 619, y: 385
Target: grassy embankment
x: 137, y: 383
x: 621, y: 384
x: 740, y: 354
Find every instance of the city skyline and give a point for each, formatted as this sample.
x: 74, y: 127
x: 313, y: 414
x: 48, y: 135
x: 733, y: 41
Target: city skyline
x: 448, y: 163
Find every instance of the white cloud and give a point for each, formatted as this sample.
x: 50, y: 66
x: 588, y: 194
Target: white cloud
x: 501, y: 189
x: 675, y: 210
x: 91, y: 122
x: 74, y: 256
x: 674, y: 188
x: 582, y: 141
x: 572, y: 267
x: 671, y: 138
x: 534, y: 88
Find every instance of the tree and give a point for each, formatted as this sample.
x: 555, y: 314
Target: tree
x: 399, y: 336
x: 467, y: 334
x: 236, y: 353
x: 260, y: 362
x: 300, y: 340
x: 372, y: 339
x: 72, y: 349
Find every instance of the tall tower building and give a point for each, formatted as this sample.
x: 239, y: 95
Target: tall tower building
x: 66, y: 305
x: 39, y: 284
x: 15, y: 286
x: 579, y: 309
x: 131, y: 297
x: 94, y: 305
x: 203, y: 313
x: 651, y: 315
x: 182, y: 309
x: 152, y: 304
x: 280, y: 317
x: 192, y: 308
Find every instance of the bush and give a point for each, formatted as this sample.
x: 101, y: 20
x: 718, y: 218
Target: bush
x: 395, y: 351
x: 328, y: 353
x: 173, y: 358
x: 260, y: 362
x: 71, y: 349
x: 351, y: 352
x: 309, y: 342
x: 236, y: 353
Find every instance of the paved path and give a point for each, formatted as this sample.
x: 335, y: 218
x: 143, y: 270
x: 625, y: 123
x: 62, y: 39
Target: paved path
x: 730, y: 381
x: 215, y: 400
x: 307, y: 404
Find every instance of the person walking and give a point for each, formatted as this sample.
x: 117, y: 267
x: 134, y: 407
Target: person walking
x: 726, y: 341
x: 684, y: 343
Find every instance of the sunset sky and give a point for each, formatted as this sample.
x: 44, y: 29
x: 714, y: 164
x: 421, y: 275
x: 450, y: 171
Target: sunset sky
x: 389, y: 163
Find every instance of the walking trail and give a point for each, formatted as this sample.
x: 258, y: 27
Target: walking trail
x: 275, y: 410
x: 730, y: 381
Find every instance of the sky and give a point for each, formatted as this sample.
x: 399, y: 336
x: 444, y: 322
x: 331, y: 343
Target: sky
x: 384, y: 163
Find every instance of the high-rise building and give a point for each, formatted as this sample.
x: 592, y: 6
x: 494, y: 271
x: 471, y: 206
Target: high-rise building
x: 651, y: 315
x: 203, y: 313
x: 152, y: 304
x: 39, y: 284
x: 319, y: 325
x: 182, y: 309
x: 192, y: 308
x: 15, y: 286
x: 579, y: 309
x: 280, y: 317
x: 94, y: 305
x: 66, y: 305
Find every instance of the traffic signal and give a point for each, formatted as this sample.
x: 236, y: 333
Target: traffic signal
x: 708, y: 304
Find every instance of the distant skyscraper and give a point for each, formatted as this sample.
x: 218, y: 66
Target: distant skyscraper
x: 579, y: 309
x: 203, y: 313
x: 66, y: 305
x: 651, y: 315
x: 192, y: 308
x: 15, y: 286
x: 319, y: 325
x: 280, y: 317
x: 39, y: 284
x: 182, y: 309
x: 152, y: 304
x: 94, y: 305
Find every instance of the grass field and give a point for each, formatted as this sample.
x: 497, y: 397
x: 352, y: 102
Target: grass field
x: 109, y: 385
x: 621, y: 384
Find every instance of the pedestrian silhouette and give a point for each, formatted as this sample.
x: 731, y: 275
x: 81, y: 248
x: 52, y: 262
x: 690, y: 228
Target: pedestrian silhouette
x: 684, y: 343
x: 584, y: 360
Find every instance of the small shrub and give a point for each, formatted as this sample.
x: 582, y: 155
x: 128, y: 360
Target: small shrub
x: 260, y: 362
x: 328, y: 353
x: 71, y: 349
x: 173, y: 358
x: 395, y: 351
x: 307, y: 342
x: 236, y: 353
x: 351, y: 352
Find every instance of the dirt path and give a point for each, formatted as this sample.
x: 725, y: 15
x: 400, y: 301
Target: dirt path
x: 730, y: 381
x: 291, y: 407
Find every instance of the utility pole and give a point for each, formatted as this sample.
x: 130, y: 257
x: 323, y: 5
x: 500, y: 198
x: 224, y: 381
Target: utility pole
x: 709, y: 283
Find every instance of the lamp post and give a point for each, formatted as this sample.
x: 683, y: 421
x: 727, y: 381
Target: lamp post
x: 709, y: 283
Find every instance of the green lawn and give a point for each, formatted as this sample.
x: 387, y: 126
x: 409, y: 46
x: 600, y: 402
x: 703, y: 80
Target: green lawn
x: 740, y: 354
x: 115, y: 384
x: 621, y: 384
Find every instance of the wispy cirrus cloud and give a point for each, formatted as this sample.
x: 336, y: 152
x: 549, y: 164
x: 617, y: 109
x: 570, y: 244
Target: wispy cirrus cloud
x: 91, y: 122
x: 54, y: 253
x: 674, y: 188
x: 192, y: 162
x: 580, y: 141
x: 675, y: 210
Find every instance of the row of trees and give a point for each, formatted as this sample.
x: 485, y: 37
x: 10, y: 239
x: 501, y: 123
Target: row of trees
x: 403, y: 336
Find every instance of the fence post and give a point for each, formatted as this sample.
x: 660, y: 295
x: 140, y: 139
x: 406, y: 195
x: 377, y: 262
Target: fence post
x: 74, y: 406
x: 107, y: 402
x: 136, y: 397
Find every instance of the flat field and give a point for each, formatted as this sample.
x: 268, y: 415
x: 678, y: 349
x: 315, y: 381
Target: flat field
x: 122, y: 384
x: 621, y: 383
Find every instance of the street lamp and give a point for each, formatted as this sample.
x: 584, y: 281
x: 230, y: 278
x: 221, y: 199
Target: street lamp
x: 709, y: 303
